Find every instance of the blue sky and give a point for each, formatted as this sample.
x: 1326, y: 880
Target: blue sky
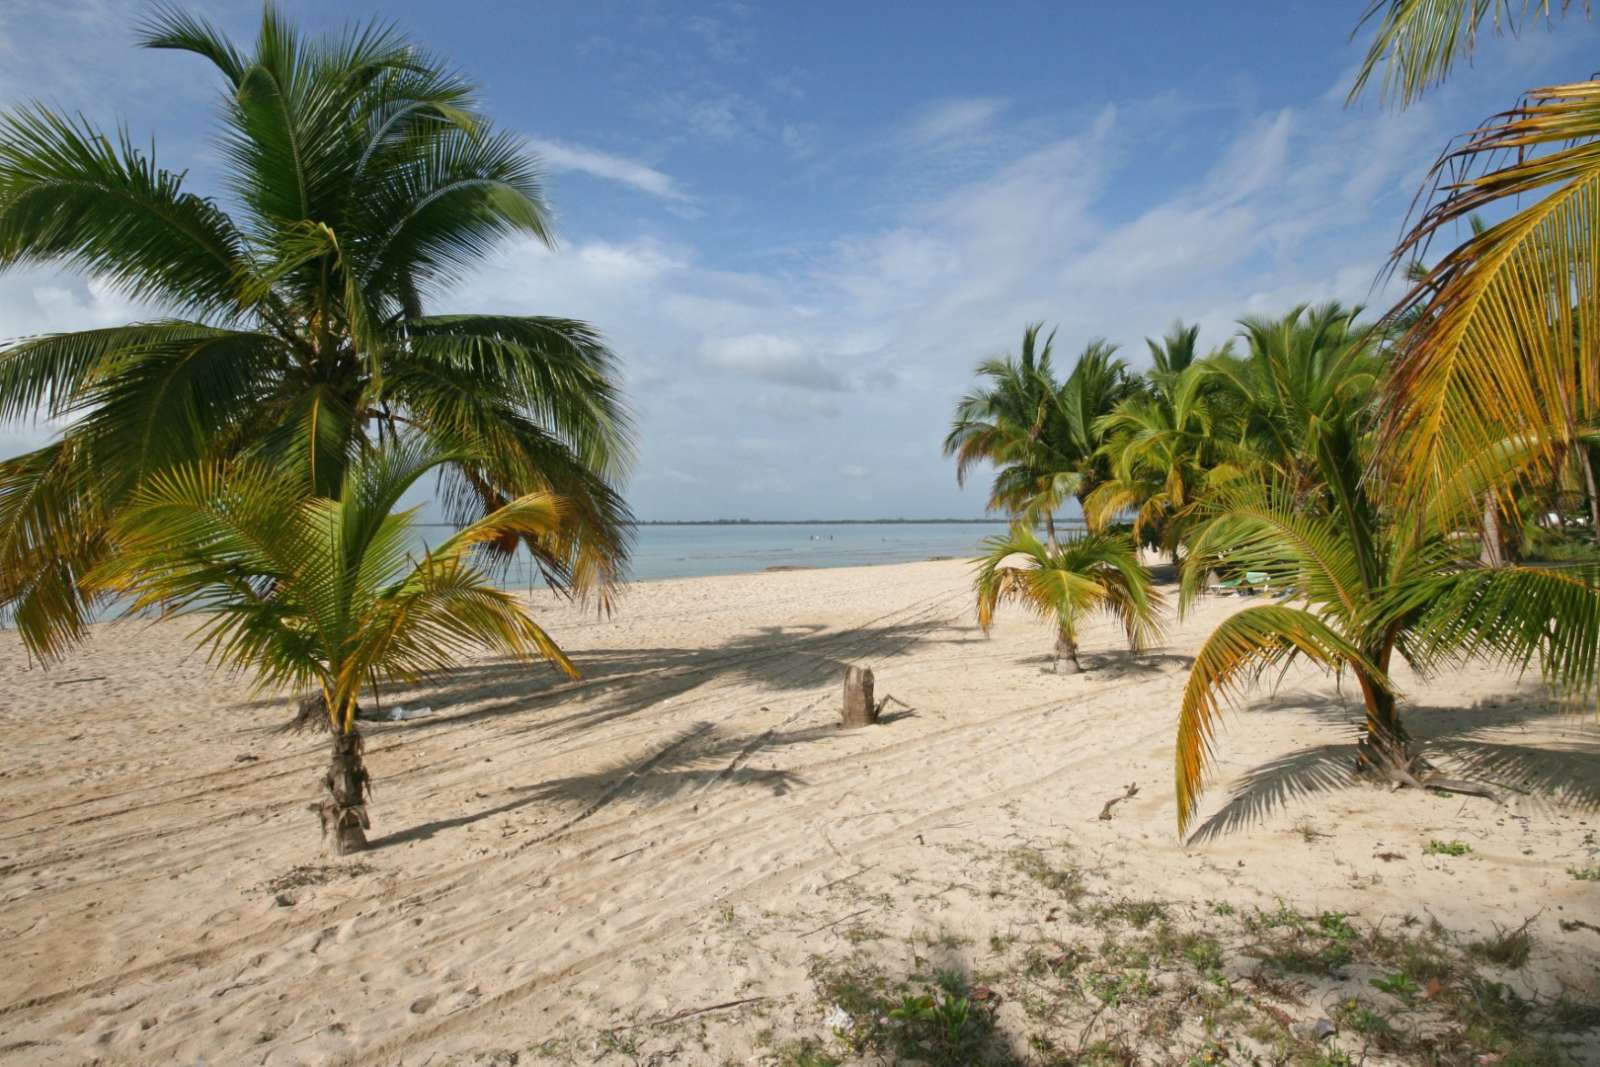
x: 801, y: 225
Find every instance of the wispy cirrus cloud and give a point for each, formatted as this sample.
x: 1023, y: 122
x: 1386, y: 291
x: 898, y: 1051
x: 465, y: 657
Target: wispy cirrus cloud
x: 560, y: 156
x: 954, y: 118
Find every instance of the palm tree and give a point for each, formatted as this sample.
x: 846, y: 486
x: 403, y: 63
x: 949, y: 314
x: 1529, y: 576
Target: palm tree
x: 1094, y: 572
x: 1503, y: 330
x: 323, y: 593
x: 1167, y: 443
x: 1004, y: 423
x: 1098, y: 383
x: 1368, y: 582
x: 1301, y: 373
x: 361, y: 183
x: 1040, y: 434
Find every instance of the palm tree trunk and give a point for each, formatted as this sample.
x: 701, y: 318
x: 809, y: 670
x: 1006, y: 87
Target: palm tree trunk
x: 1050, y: 532
x: 1491, y: 554
x: 344, y: 803
x: 1385, y: 751
x: 1589, y: 489
x: 1067, y: 655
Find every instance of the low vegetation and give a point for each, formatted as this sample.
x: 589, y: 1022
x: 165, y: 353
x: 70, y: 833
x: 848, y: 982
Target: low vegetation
x: 1101, y: 979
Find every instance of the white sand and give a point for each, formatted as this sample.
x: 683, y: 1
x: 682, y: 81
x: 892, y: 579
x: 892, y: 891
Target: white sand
x: 558, y: 859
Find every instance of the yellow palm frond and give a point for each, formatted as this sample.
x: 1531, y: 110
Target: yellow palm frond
x: 1510, y: 321
x: 1238, y: 651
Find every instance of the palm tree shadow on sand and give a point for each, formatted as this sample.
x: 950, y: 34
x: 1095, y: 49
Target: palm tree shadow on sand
x: 1561, y: 774
x: 695, y: 760
x: 620, y: 682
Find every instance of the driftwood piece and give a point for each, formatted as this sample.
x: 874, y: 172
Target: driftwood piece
x: 859, y: 710
x: 687, y: 1013
x: 1132, y: 791
x: 885, y: 700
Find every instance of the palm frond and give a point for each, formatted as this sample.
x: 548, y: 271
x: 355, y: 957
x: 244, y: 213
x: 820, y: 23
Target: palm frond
x: 1504, y: 346
x: 1239, y: 651
x: 1418, y: 42
x: 69, y: 194
x: 1514, y: 616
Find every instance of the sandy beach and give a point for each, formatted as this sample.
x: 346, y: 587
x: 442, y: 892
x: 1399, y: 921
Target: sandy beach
x: 662, y: 862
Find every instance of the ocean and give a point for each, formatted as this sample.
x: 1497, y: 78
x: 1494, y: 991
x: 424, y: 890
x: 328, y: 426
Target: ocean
x: 696, y: 550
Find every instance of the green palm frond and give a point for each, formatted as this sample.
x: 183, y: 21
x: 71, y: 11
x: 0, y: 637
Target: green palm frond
x: 1096, y: 572
x: 1418, y: 42
x: 315, y: 592
x: 49, y: 535
x: 69, y: 194
x: 1512, y: 615
x: 1261, y: 526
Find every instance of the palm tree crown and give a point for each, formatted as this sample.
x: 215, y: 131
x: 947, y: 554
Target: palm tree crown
x: 322, y: 593
x: 1093, y: 572
x: 1041, y: 435
x: 361, y: 183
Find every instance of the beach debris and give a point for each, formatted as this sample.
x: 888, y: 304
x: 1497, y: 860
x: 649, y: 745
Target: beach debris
x: 1131, y: 792
x: 846, y: 878
x: 836, y: 922
x: 859, y: 710
x: 839, y: 1020
x: 688, y: 1013
x: 1320, y: 1030
x: 398, y: 713
x: 886, y: 700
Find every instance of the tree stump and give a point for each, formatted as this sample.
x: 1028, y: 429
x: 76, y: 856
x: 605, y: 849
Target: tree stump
x: 859, y: 710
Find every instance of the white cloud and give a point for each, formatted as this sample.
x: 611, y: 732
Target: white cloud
x: 717, y: 116
x: 774, y: 359
x: 952, y: 118
x: 758, y: 388
x: 567, y: 157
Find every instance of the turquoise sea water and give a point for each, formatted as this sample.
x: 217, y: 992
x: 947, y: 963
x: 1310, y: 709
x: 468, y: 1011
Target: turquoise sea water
x: 742, y: 548
x: 690, y: 551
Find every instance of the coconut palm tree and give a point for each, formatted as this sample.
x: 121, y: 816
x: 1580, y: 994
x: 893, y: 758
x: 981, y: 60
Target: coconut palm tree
x: 323, y: 593
x: 1368, y: 582
x: 1004, y: 423
x: 1168, y: 442
x: 1167, y: 448
x: 1093, y: 572
x: 1039, y: 433
x: 360, y: 183
x: 1503, y: 330
x: 1301, y: 372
